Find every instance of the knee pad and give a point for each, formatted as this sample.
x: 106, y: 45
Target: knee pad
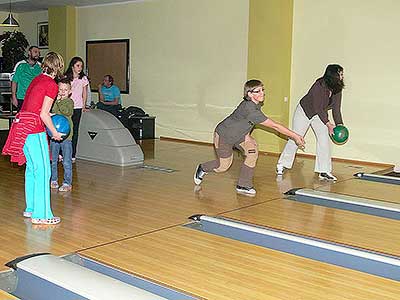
x: 224, y: 164
x: 251, y: 157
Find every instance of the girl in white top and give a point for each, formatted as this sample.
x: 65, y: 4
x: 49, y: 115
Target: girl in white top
x: 79, y: 89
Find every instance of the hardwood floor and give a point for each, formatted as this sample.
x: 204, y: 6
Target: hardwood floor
x: 218, y: 268
x: 367, y: 189
x: 130, y: 218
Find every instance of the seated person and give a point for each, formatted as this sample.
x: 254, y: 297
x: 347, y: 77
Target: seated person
x: 109, y: 96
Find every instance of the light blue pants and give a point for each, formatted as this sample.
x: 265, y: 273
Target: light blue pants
x: 37, y: 176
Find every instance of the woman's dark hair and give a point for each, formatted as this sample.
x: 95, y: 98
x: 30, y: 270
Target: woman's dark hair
x: 69, y: 73
x: 332, y: 78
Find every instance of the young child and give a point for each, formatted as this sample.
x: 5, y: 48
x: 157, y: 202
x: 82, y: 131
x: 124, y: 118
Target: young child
x: 63, y: 106
x: 234, y: 132
x: 27, y: 140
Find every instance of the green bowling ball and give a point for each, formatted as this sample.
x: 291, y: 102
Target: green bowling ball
x: 340, y: 135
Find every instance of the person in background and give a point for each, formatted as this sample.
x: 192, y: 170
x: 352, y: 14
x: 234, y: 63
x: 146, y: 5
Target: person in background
x: 79, y: 89
x: 109, y: 96
x: 24, y: 72
x: 324, y: 94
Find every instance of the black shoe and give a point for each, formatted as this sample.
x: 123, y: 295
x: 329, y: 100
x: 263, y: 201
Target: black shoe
x: 249, y: 191
x: 198, y: 175
x: 327, y: 176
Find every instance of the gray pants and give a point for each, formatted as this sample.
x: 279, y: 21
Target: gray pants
x: 301, y: 123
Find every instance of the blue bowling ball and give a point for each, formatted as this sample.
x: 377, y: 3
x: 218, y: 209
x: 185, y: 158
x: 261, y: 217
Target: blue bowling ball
x: 61, y: 124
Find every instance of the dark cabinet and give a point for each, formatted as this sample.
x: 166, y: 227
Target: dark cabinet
x: 141, y: 127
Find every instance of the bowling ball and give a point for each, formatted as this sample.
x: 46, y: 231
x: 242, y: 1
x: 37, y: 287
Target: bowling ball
x: 61, y: 124
x: 340, y: 135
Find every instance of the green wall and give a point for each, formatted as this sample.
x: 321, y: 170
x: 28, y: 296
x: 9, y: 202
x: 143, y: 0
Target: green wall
x: 269, y: 59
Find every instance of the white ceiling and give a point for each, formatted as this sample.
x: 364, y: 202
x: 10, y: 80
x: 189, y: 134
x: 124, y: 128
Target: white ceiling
x: 18, y: 6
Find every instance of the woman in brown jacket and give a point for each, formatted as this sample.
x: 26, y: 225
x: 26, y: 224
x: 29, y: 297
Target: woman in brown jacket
x: 325, y: 94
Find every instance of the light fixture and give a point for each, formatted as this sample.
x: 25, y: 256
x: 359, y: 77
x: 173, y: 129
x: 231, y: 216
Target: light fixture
x: 10, y: 21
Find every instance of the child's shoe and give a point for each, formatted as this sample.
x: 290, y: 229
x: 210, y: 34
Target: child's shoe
x: 65, y: 188
x: 54, y: 185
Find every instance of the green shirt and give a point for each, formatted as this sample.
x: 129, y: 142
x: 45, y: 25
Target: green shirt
x: 64, y: 107
x: 23, y: 76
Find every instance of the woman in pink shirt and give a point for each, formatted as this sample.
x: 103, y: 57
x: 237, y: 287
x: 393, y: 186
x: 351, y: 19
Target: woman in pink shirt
x: 79, y: 89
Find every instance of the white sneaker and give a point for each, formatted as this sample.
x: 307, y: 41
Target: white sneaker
x: 248, y: 191
x: 327, y: 176
x: 280, y: 169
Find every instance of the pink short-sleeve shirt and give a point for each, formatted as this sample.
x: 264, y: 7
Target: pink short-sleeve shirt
x: 77, y: 86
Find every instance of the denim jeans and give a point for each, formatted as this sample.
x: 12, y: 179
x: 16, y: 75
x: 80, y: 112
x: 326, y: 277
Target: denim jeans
x: 66, y: 148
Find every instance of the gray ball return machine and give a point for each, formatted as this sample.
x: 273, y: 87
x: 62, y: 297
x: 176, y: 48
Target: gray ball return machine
x: 103, y: 139
x: 73, y: 277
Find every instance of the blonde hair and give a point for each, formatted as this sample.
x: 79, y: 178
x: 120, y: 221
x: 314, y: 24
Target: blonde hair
x: 53, y: 63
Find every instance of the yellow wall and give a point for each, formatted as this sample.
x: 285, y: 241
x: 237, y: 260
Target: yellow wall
x: 62, y: 31
x: 361, y: 35
x: 188, y: 58
x: 57, y: 29
x: 270, y: 37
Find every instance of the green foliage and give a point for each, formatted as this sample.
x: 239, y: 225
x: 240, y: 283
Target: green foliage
x: 13, y: 48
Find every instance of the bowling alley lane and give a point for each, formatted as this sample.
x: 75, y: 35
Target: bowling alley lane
x: 366, y: 189
x: 218, y: 268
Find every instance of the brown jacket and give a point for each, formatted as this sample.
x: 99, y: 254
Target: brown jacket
x: 319, y: 100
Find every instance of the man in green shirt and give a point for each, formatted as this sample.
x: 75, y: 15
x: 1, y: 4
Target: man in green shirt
x: 25, y: 71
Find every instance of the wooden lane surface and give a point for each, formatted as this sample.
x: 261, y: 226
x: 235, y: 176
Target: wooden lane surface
x: 6, y: 296
x: 366, y: 189
x: 350, y: 228
x: 218, y: 268
x: 109, y: 203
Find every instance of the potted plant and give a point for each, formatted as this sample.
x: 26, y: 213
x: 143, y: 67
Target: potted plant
x: 13, y: 49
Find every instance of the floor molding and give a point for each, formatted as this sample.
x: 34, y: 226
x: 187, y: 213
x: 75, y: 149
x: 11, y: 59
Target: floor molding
x: 336, y: 159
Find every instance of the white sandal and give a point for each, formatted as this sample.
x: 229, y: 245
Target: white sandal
x: 51, y: 221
